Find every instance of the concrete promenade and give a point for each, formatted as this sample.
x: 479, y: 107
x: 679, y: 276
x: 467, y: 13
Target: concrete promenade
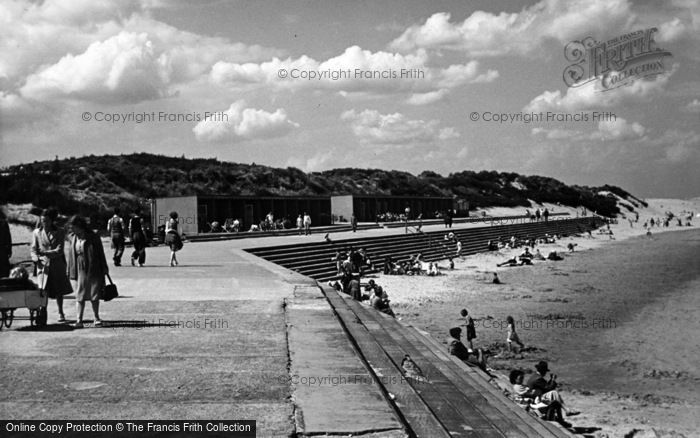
x: 225, y: 335
x: 208, y: 339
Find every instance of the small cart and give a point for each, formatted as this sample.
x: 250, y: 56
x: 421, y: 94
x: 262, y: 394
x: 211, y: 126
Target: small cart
x: 16, y: 293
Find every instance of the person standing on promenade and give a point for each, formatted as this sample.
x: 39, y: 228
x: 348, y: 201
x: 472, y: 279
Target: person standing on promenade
x: 353, y: 222
x: 47, y: 252
x: 172, y: 237
x: 300, y: 224
x: 307, y: 224
x: 116, y: 228
x: 546, y: 214
x: 138, y: 238
x: 5, y: 246
x: 87, y: 266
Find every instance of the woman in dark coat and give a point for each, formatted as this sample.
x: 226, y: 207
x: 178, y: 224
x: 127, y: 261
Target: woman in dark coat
x: 47, y: 253
x: 87, y: 265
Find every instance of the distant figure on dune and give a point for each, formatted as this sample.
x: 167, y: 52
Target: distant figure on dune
x: 495, y: 280
x: 571, y: 247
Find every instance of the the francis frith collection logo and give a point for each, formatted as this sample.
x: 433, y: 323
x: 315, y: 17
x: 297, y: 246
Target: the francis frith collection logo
x: 616, y: 62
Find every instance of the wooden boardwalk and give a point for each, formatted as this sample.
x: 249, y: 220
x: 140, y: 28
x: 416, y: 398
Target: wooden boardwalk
x: 454, y: 400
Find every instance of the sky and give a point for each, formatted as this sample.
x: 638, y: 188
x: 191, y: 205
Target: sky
x: 445, y: 86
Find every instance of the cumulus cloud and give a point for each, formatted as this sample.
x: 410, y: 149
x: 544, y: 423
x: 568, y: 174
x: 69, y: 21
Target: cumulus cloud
x: 356, y: 72
x: 592, y: 96
x: 487, y: 34
x: 123, y: 68
x: 35, y: 37
x: 395, y: 129
x: 240, y: 123
x: 618, y: 129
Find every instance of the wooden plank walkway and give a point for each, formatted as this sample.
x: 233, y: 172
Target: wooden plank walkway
x: 460, y: 398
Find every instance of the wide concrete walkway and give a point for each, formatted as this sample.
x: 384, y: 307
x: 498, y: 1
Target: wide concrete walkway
x: 210, y: 339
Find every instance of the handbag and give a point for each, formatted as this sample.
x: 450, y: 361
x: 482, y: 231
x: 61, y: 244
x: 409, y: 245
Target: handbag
x: 110, y: 290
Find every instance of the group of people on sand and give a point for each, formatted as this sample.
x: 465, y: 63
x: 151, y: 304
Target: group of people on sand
x: 536, y: 393
x: 532, y: 392
x: 527, y: 257
x: 413, y: 266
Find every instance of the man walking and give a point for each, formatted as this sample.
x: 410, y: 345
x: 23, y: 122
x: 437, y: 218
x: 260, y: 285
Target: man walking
x: 138, y: 238
x: 116, y: 228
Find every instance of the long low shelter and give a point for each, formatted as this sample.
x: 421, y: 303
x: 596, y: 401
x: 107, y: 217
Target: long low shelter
x: 367, y: 208
x: 197, y: 212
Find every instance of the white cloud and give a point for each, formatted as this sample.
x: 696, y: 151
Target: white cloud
x: 355, y: 72
x: 427, y: 98
x: 693, y: 106
x: 317, y: 162
x: 34, y: 37
x: 618, y: 129
x: 592, y: 96
x: 395, y: 129
x: 244, y: 123
x: 487, y: 34
x: 122, y: 68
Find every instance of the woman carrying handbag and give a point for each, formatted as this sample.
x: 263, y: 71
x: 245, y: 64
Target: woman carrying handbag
x: 47, y: 253
x: 87, y: 265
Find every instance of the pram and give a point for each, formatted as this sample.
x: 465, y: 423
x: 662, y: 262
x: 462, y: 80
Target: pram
x: 16, y: 293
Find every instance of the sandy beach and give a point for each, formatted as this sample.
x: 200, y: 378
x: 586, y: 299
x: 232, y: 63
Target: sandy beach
x: 616, y: 319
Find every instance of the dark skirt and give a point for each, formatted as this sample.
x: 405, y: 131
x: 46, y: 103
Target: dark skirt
x: 174, y: 241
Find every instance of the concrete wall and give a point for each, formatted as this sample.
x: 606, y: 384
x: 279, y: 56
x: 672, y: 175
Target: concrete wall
x: 341, y: 206
x: 186, y: 208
